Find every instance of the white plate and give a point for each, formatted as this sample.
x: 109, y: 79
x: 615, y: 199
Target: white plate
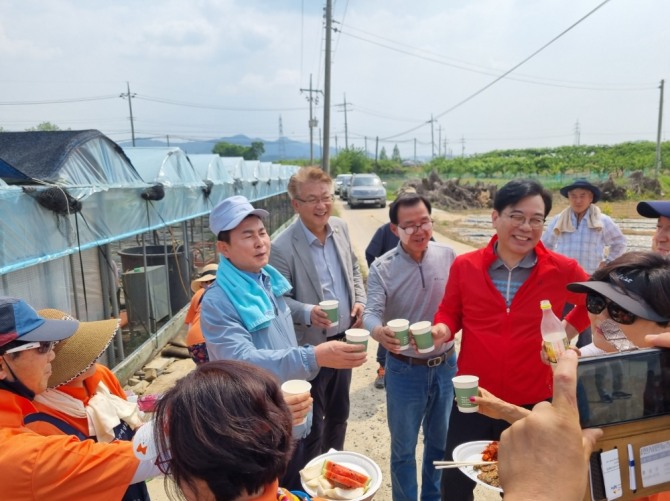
x: 472, y: 451
x: 355, y: 461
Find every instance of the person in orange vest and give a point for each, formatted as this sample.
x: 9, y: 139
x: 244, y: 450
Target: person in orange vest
x: 195, y: 341
x: 57, y: 467
x: 85, y: 399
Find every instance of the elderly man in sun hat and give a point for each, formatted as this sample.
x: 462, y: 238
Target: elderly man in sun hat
x: 195, y: 341
x: 658, y: 209
x: 584, y: 233
x: 51, y: 467
x: 244, y: 315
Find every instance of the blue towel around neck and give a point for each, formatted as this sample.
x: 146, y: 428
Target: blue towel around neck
x: 248, y: 296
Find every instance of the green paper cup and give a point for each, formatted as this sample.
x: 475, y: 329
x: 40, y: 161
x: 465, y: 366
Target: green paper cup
x: 423, y: 336
x: 331, y: 307
x: 464, y: 388
x: 400, y: 328
x: 357, y: 336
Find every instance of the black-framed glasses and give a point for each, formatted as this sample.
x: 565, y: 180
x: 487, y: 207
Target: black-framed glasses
x: 410, y: 230
x: 596, y: 303
x: 42, y: 347
x: 315, y: 201
x: 536, y: 223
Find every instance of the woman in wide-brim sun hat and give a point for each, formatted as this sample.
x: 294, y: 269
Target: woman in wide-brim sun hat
x: 85, y: 399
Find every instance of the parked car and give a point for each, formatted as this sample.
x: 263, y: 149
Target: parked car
x: 340, y: 181
x: 366, y: 189
x: 344, y: 189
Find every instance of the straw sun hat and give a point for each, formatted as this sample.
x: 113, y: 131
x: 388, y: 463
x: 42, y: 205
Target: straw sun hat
x: 207, y: 274
x: 77, y: 353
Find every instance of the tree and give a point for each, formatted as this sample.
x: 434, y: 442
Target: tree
x: 253, y: 152
x: 44, y: 127
x: 383, y: 155
x: 396, y: 154
x: 351, y: 159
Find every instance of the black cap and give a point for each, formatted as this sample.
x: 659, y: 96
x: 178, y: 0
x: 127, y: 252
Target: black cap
x: 583, y: 184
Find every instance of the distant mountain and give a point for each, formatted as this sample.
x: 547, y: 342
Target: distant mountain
x: 291, y: 149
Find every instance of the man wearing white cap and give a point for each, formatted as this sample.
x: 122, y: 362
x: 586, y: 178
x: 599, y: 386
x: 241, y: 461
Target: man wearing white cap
x: 56, y: 467
x: 244, y: 315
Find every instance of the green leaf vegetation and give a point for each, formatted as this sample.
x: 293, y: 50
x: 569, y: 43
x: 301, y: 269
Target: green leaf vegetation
x: 557, y: 163
x: 552, y: 165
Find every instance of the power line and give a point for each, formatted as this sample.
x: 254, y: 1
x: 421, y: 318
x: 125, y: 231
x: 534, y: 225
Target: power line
x: 471, y: 67
x: 211, y: 106
x: 59, y: 101
x: 496, y: 80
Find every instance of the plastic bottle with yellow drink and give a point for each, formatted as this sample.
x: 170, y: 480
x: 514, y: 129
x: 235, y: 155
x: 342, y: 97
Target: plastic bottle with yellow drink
x: 554, y: 339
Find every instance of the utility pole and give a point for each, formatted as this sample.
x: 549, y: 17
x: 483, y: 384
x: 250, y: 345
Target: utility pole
x: 658, y: 133
x: 130, y: 107
x: 346, y: 130
x: 376, y: 151
x: 578, y: 133
x: 336, y: 150
x: 414, y: 150
x: 462, y: 146
x: 168, y: 139
x: 325, y: 157
x: 439, y: 140
x: 366, y: 146
x: 320, y: 145
x: 432, y: 136
x: 313, y: 122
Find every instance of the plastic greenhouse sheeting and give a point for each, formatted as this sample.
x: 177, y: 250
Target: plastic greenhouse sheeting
x: 184, y: 189
x: 213, y: 171
x: 69, y: 190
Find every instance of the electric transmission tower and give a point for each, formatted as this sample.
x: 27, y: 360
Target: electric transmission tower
x: 282, y: 143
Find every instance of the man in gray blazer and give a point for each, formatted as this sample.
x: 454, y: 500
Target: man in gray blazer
x: 315, y: 256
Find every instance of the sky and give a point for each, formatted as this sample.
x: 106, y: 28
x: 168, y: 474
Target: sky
x: 490, y: 74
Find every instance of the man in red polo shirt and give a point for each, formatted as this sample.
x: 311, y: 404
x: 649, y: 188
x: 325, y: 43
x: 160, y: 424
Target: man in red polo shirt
x: 493, y: 295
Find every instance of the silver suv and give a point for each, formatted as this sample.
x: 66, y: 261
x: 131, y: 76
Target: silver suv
x: 366, y: 189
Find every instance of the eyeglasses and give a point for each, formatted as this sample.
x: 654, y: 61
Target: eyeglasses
x: 517, y: 219
x: 315, y: 201
x: 410, y: 230
x: 595, y: 303
x: 42, y: 347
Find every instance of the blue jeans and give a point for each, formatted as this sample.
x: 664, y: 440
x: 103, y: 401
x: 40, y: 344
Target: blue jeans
x: 418, y: 395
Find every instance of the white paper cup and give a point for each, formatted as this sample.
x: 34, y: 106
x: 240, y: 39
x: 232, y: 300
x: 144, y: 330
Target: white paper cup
x: 331, y: 307
x: 464, y: 388
x: 358, y: 336
x: 400, y: 328
x: 296, y: 387
x: 423, y: 336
